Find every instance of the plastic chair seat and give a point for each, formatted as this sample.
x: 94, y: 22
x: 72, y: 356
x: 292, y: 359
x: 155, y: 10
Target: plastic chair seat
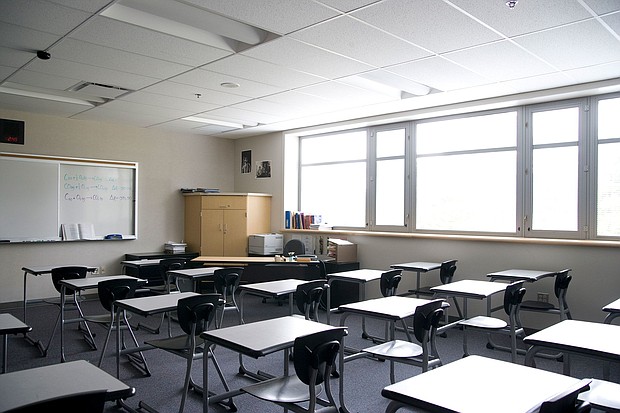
x: 484, y: 322
x: 396, y: 349
x: 287, y: 389
x: 603, y: 395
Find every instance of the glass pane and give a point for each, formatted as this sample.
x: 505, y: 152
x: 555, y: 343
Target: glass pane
x: 608, y: 197
x: 331, y: 148
x: 390, y: 204
x: 475, y: 132
x: 608, y: 119
x: 338, y: 192
x: 556, y: 126
x: 473, y: 192
x: 391, y: 143
x: 555, y: 189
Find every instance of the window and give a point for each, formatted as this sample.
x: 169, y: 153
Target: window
x: 608, y: 168
x: 548, y: 170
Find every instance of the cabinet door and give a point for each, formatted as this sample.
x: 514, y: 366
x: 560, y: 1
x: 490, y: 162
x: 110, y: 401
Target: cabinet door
x: 235, y: 233
x: 212, y: 234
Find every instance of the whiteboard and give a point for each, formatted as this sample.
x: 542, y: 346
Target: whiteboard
x: 40, y: 193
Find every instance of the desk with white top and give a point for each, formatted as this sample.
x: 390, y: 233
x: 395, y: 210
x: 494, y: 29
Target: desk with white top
x: 269, y: 289
x: 520, y: 275
x: 9, y: 324
x: 481, y: 386
x: 257, y: 339
x: 78, y: 285
x: 418, y: 267
x: 144, y: 306
x: 613, y: 310
x: 360, y: 277
x: 37, y: 271
x: 597, y: 340
x: 194, y: 275
x: 38, y: 384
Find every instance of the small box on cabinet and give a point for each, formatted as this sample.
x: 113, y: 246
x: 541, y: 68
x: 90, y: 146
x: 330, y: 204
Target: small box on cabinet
x: 341, y: 250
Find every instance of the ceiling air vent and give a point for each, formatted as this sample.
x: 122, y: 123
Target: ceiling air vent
x: 99, y: 89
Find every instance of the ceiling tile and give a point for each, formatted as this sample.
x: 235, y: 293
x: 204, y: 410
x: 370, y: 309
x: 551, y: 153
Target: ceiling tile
x: 213, y: 81
x: 234, y: 114
x: 183, y: 91
x: 41, y: 15
x: 355, y: 39
x: 430, y: 24
x: 189, y: 105
x: 44, y: 80
x: 347, y: 5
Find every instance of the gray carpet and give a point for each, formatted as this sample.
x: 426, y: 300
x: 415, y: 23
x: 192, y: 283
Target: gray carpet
x: 364, y: 377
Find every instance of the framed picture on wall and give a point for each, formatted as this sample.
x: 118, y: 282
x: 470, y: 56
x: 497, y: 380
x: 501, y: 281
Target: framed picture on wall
x: 246, y: 162
x: 263, y: 169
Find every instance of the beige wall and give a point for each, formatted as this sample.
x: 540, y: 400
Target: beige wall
x: 167, y: 162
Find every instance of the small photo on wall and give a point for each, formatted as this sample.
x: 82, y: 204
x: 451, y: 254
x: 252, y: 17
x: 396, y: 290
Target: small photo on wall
x: 263, y: 169
x: 246, y: 162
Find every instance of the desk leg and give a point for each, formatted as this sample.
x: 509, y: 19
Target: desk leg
x: 36, y: 343
x: 5, y: 360
x: 63, y: 296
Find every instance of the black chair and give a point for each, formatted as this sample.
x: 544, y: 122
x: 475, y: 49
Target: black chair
x: 308, y: 298
x: 195, y: 315
x: 425, y: 321
x: 568, y: 402
x: 512, y: 301
x: 225, y: 282
x: 110, y: 291
x: 314, y: 358
x: 294, y: 246
x: 560, y: 288
x: 446, y: 276
x: 89, y: 401
x: 72, y: 301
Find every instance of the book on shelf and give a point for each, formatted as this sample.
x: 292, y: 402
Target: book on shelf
x: 78, y: 231
x: 300, y: 220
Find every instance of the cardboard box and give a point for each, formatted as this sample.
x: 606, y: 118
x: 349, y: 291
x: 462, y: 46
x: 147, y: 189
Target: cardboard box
x: 265, y: 244
x: 341, y: 250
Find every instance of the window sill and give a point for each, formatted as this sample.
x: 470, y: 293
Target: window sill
x: 452, y: 237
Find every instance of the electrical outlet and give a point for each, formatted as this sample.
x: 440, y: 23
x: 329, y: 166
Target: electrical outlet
x: 96, y: 271
x: 543, y: 297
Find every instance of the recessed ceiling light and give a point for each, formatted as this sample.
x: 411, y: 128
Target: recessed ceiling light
x: 230, y: 85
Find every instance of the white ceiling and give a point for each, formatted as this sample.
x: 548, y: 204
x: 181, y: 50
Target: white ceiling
x: 305, y: 71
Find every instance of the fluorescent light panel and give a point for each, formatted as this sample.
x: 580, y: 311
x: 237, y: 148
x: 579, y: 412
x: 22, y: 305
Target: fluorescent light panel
x: 46, y: 96
x: 398, y: 82
x: 218, y: 122
x: 187, y: 22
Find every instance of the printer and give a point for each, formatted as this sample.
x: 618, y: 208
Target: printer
x: 265, y: 244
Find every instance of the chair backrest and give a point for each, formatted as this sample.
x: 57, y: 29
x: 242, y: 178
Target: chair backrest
x: 446, y: 271
x: 314, y: 354
x: 562, y: 280
x: 226, y: 280
x: 308, y: 298
x: 89, y: 401
x: 112, y: 290
x: 567, y: 402
x: 426, y: 318
x: 389, y: 282
x: 513, y: 296
x: 170, y: 264
x: 67, y: 273
x: 195, y: 313
x: 295, y: 246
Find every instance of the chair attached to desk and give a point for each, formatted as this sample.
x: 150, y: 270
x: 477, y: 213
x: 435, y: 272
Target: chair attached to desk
x: 513, y: 296
x: 69, y: 273
x: 425, y: 321
x: 560, y: 288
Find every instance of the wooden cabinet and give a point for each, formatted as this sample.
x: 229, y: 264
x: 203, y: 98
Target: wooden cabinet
x: 219, y: 224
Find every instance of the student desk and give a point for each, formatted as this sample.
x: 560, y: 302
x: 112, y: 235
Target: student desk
x: 78, y: 285
x: 23, y: 387
x: 481, y: 385
x: 360, y: 277
x: 270, y: 289
x: 586, y: 338
x: 613, y: 310
x: 144, y: 306
x: 37, y: 271
x: 520, y: 275
x: 468, y: 289
x: 418, y: 267
x: 9, y: 324
x: 256, y: 340
x: 194, y: 275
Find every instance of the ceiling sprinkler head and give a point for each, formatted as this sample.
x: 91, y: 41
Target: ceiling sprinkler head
x: 511, y: 4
